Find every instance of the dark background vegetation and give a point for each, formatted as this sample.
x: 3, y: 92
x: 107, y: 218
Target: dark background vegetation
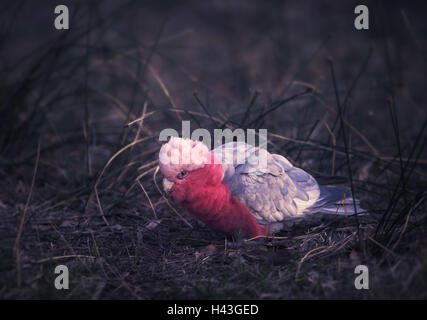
x: 81, y: 111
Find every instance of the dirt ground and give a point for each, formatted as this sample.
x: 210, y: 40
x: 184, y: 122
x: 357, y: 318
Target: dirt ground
x: 80, y: 115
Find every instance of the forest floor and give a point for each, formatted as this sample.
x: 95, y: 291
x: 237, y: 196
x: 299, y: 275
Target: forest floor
x: 81, y: 111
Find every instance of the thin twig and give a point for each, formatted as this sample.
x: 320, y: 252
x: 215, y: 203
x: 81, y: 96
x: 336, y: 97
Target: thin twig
x: 164, y: 89
x: 350, y: 173
x: 334, y: 143
x: 21, y: 224
x: 65, y: 257
x: 149, y: 200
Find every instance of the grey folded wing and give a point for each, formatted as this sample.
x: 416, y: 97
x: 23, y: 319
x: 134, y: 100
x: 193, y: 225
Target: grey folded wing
x: 273, y: 192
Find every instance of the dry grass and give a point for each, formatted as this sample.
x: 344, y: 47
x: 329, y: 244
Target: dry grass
x: 80, y: 118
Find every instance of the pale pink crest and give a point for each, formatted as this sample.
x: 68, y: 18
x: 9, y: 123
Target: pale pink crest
x: 182, y: 154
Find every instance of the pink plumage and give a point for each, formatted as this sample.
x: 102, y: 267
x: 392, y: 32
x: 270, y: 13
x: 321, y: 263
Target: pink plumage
x: 197, y: 185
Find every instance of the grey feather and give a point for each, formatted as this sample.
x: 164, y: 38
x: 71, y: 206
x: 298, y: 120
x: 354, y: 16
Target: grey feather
x: 280, y: 191
x: 269, y: 193
x: 336, y: 200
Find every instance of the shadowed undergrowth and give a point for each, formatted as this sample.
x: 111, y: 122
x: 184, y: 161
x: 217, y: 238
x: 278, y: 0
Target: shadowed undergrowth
x: 81, y: 114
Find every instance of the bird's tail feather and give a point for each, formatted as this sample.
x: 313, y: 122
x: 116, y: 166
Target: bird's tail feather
x: 336, y: 200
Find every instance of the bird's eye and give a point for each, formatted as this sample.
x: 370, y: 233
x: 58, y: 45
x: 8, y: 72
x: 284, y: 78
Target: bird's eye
x: 182, y: 174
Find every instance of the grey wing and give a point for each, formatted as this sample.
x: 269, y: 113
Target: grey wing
x: 273, y: 190
x: 307, y: 189
x: 269, y: 194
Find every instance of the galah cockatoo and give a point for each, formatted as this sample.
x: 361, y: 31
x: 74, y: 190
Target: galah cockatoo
x: 230, y: 191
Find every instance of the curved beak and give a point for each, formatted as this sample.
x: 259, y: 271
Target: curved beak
x: 167, y: 185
